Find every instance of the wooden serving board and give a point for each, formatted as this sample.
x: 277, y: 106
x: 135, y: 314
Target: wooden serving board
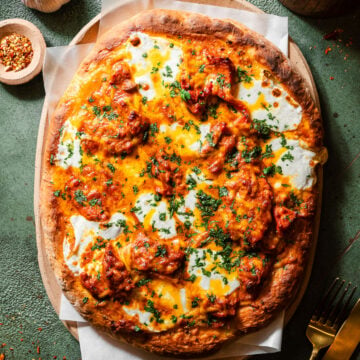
x: 88, y: 34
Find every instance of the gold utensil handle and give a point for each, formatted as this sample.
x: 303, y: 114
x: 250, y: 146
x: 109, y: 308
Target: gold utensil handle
x: 347, y: 338
x: 314, y: 353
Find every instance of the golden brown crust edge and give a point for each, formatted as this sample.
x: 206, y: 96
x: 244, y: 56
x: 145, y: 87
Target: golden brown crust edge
x: 278, y: 293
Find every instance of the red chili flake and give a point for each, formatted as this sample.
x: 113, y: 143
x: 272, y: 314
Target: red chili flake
x: 12, y: 349
x: 331, y: 78
x: 3, y: 344
x: 327, y: 50
x: 21, y: 339
x: 39, y: 329
x: 64, y: 357
x: 16, y: 52
x: 55, y: 357
x: 333, y: 35
x: 38, y: 349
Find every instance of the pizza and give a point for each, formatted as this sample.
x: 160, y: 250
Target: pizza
x: 179, y: 182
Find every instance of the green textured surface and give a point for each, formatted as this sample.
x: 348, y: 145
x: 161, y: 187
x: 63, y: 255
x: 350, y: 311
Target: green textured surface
x: 24, y: 306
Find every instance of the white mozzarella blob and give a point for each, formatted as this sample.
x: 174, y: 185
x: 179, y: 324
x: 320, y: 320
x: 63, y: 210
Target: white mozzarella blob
x: 283, y: 117
x: 207, y: 278
x: 144, y: 204
x: 204, y: 130
x: 85, y: 233
x: 170, y: 68
x: 150, y: 92
x: 166, y: 228
x: 189, y: 204
x: 164, y: 128
x: 146, y: 44
x: 114, y: 229
x: 199, y: 178
x: 183, y: 299
x: 143, y: 316
x: 147, y: 209
x: 69, y: 150
x: 144, y: 65
x: 296, y: 162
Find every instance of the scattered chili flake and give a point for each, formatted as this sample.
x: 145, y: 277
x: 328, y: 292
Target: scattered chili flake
x: 38, y: 349
x: 16, y: 52
x: 39, y: 329
x: 333, y: 35
x: 327, y: 50
x: 331, y: 78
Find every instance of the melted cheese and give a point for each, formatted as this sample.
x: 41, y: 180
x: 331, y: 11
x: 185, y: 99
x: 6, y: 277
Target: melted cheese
x: 151, y: 213
x: 204, y: 130
x: 85, y: 233
x: 281, y: 113
x: 153, y: 61
x: 296, y: 162
x: 69, y: 150
x: 173, y: 301
x: 209, y: 276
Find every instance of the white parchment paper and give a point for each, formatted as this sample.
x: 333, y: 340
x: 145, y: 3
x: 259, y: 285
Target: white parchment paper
x: 273, y: 27
x: 95, y: 345
x: 60, y: 65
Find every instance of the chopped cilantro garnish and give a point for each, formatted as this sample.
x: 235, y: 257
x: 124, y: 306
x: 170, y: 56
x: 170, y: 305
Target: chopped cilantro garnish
x: 161, y: 251
x: 209, y: 138
x: 185, y: 95
x: 223, y: 191
x: 142, y: 282
x: 243, y: 75
x: 262, y: 128
x: 272, y: 170
x: 287, y: 156
x: 79, y: 196
x: 195, y: 302
x: 151, y: 309
x: 248, y: 155
x: 207, y: 204
x: 111, y: 167
x: 153, y: 129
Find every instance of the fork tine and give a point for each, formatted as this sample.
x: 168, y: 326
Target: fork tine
x: 329, y: 305
x: 322, y: 302
x: 336, y: 309
x: 342, y: 311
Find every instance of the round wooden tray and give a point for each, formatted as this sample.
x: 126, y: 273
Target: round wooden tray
x: 88, y: 34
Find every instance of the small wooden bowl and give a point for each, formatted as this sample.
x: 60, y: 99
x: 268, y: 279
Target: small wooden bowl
x: 29, y: 30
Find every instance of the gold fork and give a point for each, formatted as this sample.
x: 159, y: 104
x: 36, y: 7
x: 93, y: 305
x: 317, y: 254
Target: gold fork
x: 328, y: 316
